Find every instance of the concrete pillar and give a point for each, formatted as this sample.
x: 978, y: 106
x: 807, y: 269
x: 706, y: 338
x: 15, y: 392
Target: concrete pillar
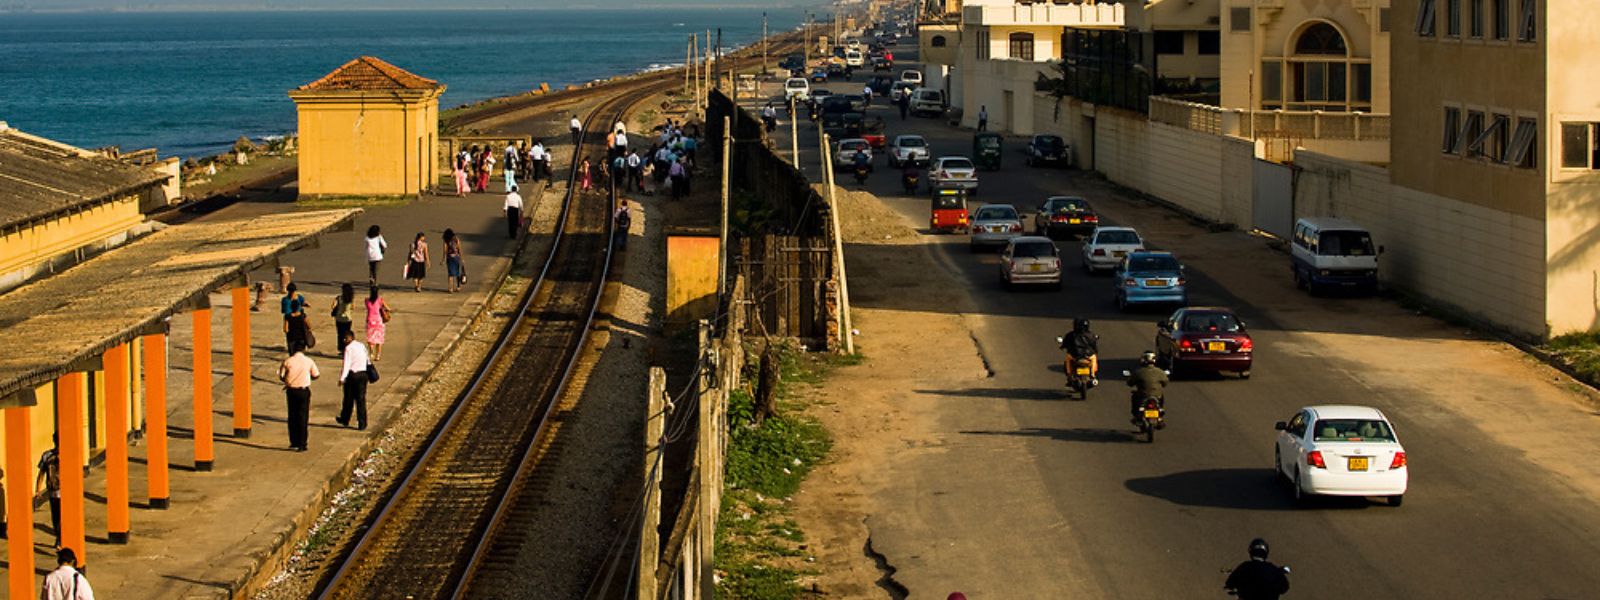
x: 70, y: 399
x: 19, y: 503
x: 155, y: 410
x: 116, y: 361
x: 204, y: 447
x: 241, y: 362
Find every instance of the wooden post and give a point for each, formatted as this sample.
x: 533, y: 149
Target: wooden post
x: 19, y: 503
x: 704, y: 450
x: 727, y: 190
x: 116, y: 362
x: 155, y: 411
x: 794, y: 133
x: 838, y: 249
x: 204, y: 448
x: 688, y: 64
x: 241, y: 362
x: 70, y: 399
x: 650, y: 530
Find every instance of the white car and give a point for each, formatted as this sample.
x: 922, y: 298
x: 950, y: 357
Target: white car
x: 902, y: 89
x: 844, y: 154
x: 957, y: 171
x: 994, y: 225
x: 1341, y: 451
x: 1105, y: 247
x: 908, y: 150
x: 854, y: 58
x: 796, y: 88
x: 1030, y: 259
x: 911, y: 76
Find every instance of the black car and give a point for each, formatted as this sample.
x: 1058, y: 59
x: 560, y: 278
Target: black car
x: 793, y: 62
x: 1065, y: 215
x: 836, y: 70
x: 1047, y: 150
x: 882, y: 64
x: 881, y: 84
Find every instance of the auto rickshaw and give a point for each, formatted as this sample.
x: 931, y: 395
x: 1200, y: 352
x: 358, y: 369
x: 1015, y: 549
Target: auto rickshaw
x: 986, y: 150
x: 949, y: 211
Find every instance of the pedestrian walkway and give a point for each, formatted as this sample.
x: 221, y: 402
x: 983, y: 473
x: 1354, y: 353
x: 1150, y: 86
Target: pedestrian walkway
x: 223, y: 525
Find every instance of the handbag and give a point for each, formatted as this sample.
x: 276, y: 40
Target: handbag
x: 384, y: 312
x: 372, y: 372
x: 311, y: 338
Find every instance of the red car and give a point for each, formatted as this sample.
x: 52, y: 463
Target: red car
x: 1204, y: 338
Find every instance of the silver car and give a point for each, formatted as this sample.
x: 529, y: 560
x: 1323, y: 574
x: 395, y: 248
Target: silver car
x: 995, y: 225
x: 957, y: 171
x: 1030, y: 259
x: 908, y: 150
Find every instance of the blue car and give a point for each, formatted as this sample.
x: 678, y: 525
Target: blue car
x: 1150, y: 278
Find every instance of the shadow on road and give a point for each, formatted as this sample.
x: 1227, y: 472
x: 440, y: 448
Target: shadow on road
x: 1048, y: 394
x: 1244, y: 489
x: 1093, y: 435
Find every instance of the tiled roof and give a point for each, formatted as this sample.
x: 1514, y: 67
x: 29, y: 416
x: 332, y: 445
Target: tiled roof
x: 369, y: 73
x: 40, y: 178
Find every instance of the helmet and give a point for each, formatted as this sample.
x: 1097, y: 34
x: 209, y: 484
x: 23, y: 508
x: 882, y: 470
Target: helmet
x: 1080, y: 324
x: 1258, y: 548
x: 1148, y: 358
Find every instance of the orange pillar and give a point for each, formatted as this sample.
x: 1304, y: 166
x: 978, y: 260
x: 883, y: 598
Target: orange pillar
x: 19, y: 503
x: 71, y: 448
x: 204, y: 450
x: 116, y: 361
x: 155, y: 415
x: 241, y: 362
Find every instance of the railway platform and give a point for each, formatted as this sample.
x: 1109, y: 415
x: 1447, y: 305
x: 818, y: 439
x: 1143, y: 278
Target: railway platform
x: 225, y: 526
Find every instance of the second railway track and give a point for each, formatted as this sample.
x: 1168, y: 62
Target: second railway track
x: 431, y: 531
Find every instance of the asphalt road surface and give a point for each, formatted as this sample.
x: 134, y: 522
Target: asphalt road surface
x: 1114, y: 517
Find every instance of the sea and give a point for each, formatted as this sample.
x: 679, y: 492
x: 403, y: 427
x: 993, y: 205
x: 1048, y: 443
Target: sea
x: 191, y: 83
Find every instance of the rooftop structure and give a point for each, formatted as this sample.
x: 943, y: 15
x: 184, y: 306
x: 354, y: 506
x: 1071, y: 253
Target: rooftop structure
x: 368, y: 129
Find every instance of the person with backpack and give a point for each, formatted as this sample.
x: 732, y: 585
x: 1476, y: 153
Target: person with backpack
x: 510, y: 165
x: 624, y: 223
x: 66, y: 583
x: 49, y: 480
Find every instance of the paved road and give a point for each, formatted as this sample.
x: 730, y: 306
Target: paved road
x: 1116, y: 518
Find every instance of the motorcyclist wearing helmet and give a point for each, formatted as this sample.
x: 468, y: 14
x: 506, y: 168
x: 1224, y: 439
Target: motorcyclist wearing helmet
x: 1147, y: 381
x: 860, y: 160
x: 1082, y: 344
x: 1258, y: 578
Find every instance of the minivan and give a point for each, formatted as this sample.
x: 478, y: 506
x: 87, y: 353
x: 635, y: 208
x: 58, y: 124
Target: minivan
x: 926, y: 101
x: 797, y: 89
x: 1330, y: 253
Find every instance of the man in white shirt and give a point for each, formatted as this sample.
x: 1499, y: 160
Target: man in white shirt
x: 66, y: 583
x: 353, y: 378
x: 577, y: 129
x: 983, y: 118
x: 513, y: 213
x: 634, y: 163
x: 541, y: 163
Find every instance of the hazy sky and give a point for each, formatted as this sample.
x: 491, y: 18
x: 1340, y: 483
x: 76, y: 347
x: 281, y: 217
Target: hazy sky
x: 51, y: 5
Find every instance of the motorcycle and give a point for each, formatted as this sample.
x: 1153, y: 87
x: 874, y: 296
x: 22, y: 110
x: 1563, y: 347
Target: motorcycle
x: 1152, y: 416
x: 861, y: 174
x: 910, y: 181
x: 1080, y: 373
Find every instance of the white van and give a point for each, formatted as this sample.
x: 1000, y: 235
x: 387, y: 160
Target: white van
x: 796, y: 88
x: 911, y: 76
x: 927, y: 102
x: 1330, y: 253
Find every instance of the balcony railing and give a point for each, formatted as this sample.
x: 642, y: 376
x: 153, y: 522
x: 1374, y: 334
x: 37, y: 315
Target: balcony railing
x: 1085, y: 13
x: 1307, y: 125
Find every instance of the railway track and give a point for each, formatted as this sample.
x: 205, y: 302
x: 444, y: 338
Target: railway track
x: 431, y: 533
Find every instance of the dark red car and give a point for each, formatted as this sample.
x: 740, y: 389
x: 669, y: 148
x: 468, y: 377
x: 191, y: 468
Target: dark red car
x: 1204, y: 338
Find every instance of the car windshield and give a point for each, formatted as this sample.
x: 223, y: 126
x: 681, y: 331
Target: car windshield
x: 1352, y: 430
x: 956, y: 163
x: 1065, y: 205
x: 1210, y: 321
x: 1033, y: 250
x: 1048, y: 141
x: 857, y: 145
x: 1138, y: 264
x: 796, y: 83
x: 1346, y: 243
x: 852, y: 118
x: 1117, y: 237
x: 933, y: 96
x: 989, y: 142
x: 996, y: 213
x: 912, y: 142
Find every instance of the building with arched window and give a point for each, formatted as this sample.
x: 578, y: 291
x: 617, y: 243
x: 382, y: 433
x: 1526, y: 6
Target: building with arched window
x: 1327, y: 56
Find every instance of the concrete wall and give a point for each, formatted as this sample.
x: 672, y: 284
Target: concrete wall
x: 986, y: 83
x: 1573, y: 224
x: 1485, y: 262
x: 691, y: 280
x: 367, y: 146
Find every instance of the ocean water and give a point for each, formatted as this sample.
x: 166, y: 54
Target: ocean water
x: 192, y: 83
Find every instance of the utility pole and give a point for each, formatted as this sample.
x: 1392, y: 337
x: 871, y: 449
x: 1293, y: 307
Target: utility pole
x: 845, y: 333
x: 794, y: 133
x: 727, y: 190
x: 764, y: 69
x: 688, y: 62
x: 719, y: 59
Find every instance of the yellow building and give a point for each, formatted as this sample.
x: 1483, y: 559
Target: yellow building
x: 369, y: 128
x: 1303, y: 56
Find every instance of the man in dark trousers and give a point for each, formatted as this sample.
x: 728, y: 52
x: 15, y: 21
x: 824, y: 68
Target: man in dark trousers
x: 49, y: 480
x: 1258, y: 578
x: 354, y: 378
x: 577, y: 130
x: 296, y: 373
x: 513, y: 209
x: 905, y: 104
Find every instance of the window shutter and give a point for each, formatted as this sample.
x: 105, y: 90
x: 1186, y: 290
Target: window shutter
x: 1425, y: 18
x: 1518, y: 153
x: 1530, y: 21
x: 1476, y: 147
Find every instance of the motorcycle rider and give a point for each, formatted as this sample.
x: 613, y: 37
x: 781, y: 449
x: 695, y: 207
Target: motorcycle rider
x: 862, y: 163
x: 1082, y: 344
x: 1258, y: 578
x: 910, y: 176
x: 769, y: 117
x: 1147, y: 381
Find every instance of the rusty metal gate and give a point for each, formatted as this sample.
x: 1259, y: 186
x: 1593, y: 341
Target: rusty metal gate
x: 786, y: 284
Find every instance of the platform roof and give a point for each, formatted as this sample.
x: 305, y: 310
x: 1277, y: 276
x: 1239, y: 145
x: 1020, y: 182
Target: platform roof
x: 41, y: 179
x: 54, y: 325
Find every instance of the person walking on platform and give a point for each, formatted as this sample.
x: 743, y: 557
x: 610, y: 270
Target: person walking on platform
x: 680, y: 179
x: 513, y: 208
x: 624, y: 223
x: 510, y: 166
x: 461, y: 175
x: 296, y: 329
x: 417, y: 261
x: 647, y: 179
x: 577, y: 129
x: 488, y: 169
x: 378, y: 315
x: 455, y: 272
x: 66, y: 583
x: 49, y: 482
x: 585, y: 178
x: 633, y: 171
x: 376, y: 246
x: 342, y: 322
x: 296, y: 373
x: 354, y: 379
x: 541, y: 163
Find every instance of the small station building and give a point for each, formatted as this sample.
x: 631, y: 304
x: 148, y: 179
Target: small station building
x: 85, y: 357
x: 368, y: 129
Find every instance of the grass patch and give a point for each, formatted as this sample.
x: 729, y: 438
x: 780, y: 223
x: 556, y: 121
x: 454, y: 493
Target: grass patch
x: 1580, y: 351
x: 353, y: 201
x: 756, y: 538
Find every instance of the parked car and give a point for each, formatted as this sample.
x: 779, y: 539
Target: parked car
x: 1341, y: 451
x: 1070, y: 215
x: 911, y: 76
x: 908, y: 150
x: 1049, y: 150
x: 797, y: 88
x: 1149, y: 278
x: 1328, y: 253
x: 994, y: 225
x: 1204, y: 338
x: 1106, y: 247
x: 901, y: 89
x: 844, y: 153
x: 957, y: 171
x: 1030, y: 259
x: 927, y: 102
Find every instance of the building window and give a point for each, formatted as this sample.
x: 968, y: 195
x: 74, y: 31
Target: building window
x: 983, y: 43
x: 1022, y: 46
x: 1490, y: 142
x: 1580, y: 147
x: 1501, y: 138
x: 1210, y: 43
x: 1470, y: 132
x: 1361, y: 79
x: 1502, y: 19
x: 1452, y: 130
x: 1271, y: 81
x: 1452, y: 18
x: 1424, y: 25
x: 1530, y: 21
x: 937, y: 41
x: 1475, y: 18
x: 1239, y: 18
x: 1320, y: 39
x: 1383, y: 20
x: 1169, y: 42
x: 1321, y: 74
x: 1523, y: 151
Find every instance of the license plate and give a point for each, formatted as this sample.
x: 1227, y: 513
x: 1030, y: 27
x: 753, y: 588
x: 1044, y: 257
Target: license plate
x: 1118, y: 253
x: 1033, y: 268
x: 1083, y: 371
x: 997, y: 229
x: 1359, y: 463
x: 1074, y: 221
x: 1155, y: 283
x: 1152, y: 414
x: 1216, y: 346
